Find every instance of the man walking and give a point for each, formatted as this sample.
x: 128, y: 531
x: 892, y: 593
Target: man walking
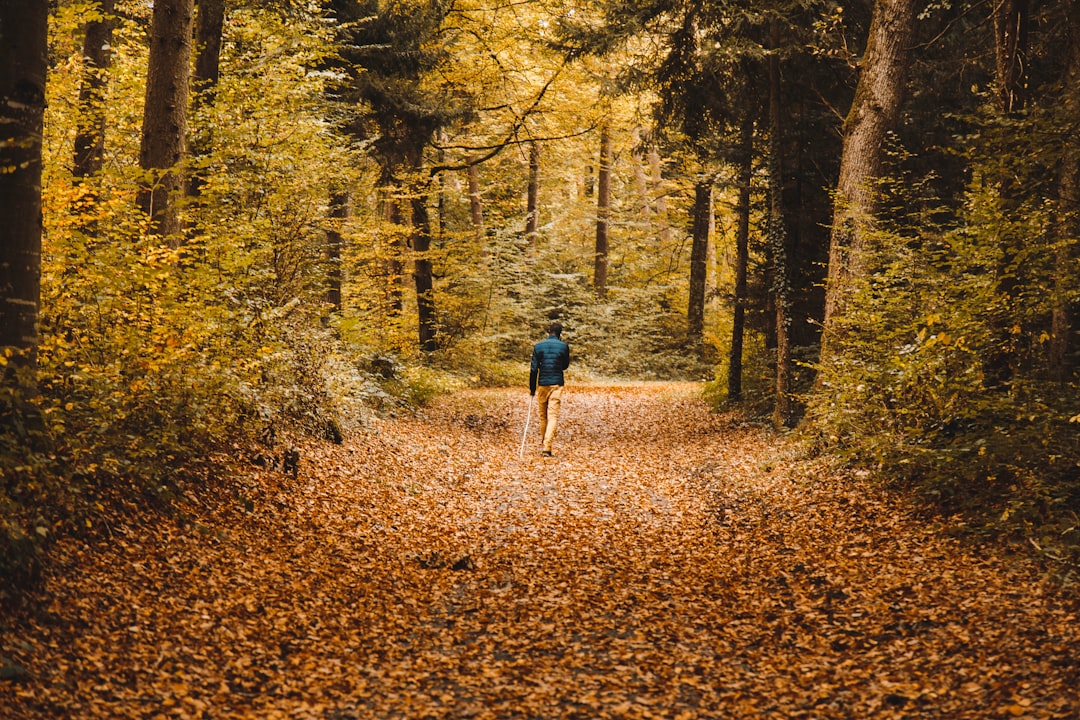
x: 549, y: 358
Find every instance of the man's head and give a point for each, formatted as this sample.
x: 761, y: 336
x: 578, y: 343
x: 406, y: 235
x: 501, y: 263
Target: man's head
x: 555, y: 329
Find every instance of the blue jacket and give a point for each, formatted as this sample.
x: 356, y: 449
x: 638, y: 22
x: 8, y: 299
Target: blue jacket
x: 549, y: 358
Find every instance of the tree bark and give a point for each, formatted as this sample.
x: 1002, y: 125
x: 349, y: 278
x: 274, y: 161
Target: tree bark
x: 209, y: 23
x: 656, y: 170
x: 742, y: 259
x: 23, y: 65
x: 783, y: 410
x: 97, y: 55
x: 1010, y: 52
x: 1067, y: 225
x: 603, y: 214
x: 165, y: 115
x: 699, y: 252
x: 339, y: 212
x: 874, y: 111
x: 422, y: 273
x: 532, y: 208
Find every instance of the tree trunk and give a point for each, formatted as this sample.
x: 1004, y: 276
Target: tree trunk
x: 90, y: 136
x: 873, y: 113
x: 783, y: 410
x: 1067, y: 226
x: 603, y: 213
x: 165, y: 115
x: 699, y: 252
x: 339, y: 212
x: 23, y: 64
x: 392, y: 269
x: 209, y: 22
x: 1010, y: 46
x: 742, y: 259
x: 422, y: 274
x: 532, y: 209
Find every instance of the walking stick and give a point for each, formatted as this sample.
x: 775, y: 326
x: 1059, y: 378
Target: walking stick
x: 525, y: 434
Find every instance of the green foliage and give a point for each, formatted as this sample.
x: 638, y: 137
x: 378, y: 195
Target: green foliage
x: 909, y: 391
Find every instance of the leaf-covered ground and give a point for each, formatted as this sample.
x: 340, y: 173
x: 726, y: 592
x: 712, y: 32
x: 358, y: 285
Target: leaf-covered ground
x: 666, y: 563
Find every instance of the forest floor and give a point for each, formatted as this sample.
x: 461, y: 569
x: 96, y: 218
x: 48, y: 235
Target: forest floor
x: 666, y: 563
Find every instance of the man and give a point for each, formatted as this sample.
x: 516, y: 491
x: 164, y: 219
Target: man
x: 549, y: 358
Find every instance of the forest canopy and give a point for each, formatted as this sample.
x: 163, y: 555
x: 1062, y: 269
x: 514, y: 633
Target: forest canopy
x: 227, y: 219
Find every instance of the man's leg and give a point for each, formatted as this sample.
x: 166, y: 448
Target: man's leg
x: 542, y: 393
x: 551, y: 415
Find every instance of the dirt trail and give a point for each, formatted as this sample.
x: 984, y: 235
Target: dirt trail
x: 666, y: 563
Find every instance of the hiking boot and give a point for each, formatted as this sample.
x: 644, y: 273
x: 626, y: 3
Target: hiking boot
x: 545, y: 453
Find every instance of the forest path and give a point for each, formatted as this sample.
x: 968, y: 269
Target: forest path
x: 666, y: 563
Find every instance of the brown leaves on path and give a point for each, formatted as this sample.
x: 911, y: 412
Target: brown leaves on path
x: 666, y: 563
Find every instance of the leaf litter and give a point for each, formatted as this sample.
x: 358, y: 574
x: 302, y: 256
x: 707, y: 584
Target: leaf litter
x: 666, y: 563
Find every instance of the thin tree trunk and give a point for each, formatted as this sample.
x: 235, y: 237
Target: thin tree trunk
x: 699, y: 252
x: 90, y: 137
x: 532, y: 208
x: 742, y: 259
x: 603, y: 214
x: 873, y: 113
x: 1011, y: 49
x: 422, y: 272
x: 392, y: 267
x: 783, y: 410
x: 339, y: 212
x: 1067, y: 226
x: 165, y: 115
x: 23, y: 64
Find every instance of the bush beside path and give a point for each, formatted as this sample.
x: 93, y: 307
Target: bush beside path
x: 666, y: 563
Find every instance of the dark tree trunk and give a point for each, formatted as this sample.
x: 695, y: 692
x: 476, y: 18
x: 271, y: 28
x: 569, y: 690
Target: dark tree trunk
x: 339, y: 212
x: 783, y: 410
x: 90, y: 137
x: 532, y: 210
x: 393, y: 268
x: 23, y: 64
x: 422, y: 274
x: 1011, y: 50
x: 873, y: 113
x: 603, y: 214
x: 165, y: 114
x: 699, y: 253
x: 1067, y: 226
x: 209, y: 22
x: 1010, y: 45
x: 742, y: 259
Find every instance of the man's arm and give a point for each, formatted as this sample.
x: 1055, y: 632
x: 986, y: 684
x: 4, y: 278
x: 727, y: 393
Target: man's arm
x: 534, y: 369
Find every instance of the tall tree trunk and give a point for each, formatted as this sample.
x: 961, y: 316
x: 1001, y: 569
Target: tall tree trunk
x: 209, y: 23
x: 1067, y: 226
x: 783, y: 410
x: 532, y: 207
x: 422, y: 272
x: 90, y: 136
x: 339, y: 212
x: 1010, y: 45
x: 165, y: 115
x: 873, y: 113
x: 603, y: 213
x: 1011, y: 50
x: 742, y: 259
x: 23, y: 64
x: 699, y: 252
x: 392, y: 270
